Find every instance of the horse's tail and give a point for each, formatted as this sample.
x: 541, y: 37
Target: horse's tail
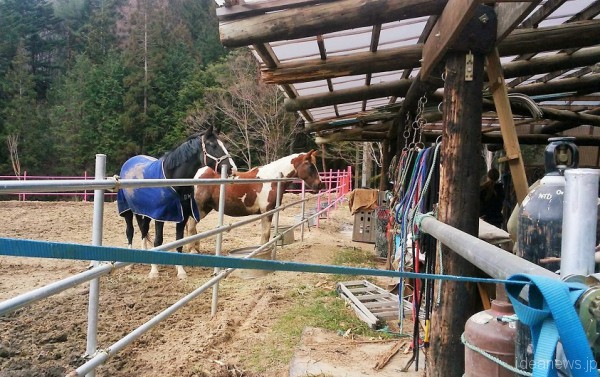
x: 149, y: 239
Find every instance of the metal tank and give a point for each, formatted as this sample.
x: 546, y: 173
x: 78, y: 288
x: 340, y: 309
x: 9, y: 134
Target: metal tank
x: 492, y: 331
x: 539, y: 233
x: 540, y: 217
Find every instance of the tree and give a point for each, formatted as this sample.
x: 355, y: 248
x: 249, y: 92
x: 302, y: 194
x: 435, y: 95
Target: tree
x: 21, y: 116
x: 250, y: 112
x: 33, y: 24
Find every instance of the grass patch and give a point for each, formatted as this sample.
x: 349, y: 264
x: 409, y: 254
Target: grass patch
x: 315, y: 307
x: 352, y: 257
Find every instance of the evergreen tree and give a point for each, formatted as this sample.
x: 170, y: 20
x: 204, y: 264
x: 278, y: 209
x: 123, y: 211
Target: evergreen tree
x: 22, y: 118
x: 34, y: 23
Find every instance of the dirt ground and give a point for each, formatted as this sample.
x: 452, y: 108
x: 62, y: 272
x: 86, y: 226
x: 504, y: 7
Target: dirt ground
x: 48, y: 338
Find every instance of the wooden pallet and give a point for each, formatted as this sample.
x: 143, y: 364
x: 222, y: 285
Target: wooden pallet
x: 372, y: 304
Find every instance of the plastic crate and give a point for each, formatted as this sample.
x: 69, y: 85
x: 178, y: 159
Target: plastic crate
x: 364, y: 227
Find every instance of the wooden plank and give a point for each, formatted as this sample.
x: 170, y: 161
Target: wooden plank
x: 381, y: 304
x: 510, y: 15
x: 455, y: 16
x: 507, y: 125
x: 373, y: 296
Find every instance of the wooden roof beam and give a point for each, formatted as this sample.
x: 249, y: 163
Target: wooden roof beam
x: 561, y: 36
x: 561, y: 126
x: 322, y: 18
x: 558, y: 62
x: 401, y: 88
x: 386, y: 89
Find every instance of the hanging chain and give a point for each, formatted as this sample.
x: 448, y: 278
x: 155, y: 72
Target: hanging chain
x: 406, y: 132
x: 419, y: 123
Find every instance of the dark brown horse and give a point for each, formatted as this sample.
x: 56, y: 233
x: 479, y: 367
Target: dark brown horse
x: 175, y: 204
x: 254, y: 198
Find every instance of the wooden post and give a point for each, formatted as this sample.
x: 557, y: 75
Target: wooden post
x: 459, y: 208
x: 385, y: 162
x: 507, y: 126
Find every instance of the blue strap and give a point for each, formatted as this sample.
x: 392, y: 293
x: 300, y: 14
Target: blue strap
x: 551, y: 316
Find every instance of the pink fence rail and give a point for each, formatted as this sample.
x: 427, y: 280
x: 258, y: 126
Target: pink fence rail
x: 337, y: 183
x: 84, y: 195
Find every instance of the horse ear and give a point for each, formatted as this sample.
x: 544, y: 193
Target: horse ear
x: 209, y: 130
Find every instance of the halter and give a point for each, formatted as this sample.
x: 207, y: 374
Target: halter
x: 217, y: 160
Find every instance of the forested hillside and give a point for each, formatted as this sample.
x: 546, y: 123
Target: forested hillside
x: 125, y: 77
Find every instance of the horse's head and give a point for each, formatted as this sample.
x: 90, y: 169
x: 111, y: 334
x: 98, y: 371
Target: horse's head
x: 215, y: 154
x: 305, y: 165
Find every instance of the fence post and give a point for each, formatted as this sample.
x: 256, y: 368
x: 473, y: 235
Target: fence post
x: 24, y: 178
x: 94, y: 296
x: 276, y: 218
x: 215, y: 292
x: 302, y: 208
x: 329, y: 192
x: 85, y: 191
x: 337, y: 188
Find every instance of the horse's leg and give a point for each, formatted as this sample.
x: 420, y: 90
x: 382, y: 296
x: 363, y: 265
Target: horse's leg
x: 158, y: 240
x: 179, y: 228
x: 128, y: 216
x: 144, y: 225
x: 129, y: 228
x: 193, y: 247
x: 266, y: 229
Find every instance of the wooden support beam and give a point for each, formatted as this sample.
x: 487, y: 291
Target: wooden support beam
x: 449, y: 25
x: 507, y: 126
x: 252, y: 9
x: 460, y: 174
x: 549, y: 63
x: 570, y: 85
x: 322, y: 19
x: 396, y: 88
x: 569, y: 35
x: 581, y: 34
x: 561, y: 126
x: 510, y: 15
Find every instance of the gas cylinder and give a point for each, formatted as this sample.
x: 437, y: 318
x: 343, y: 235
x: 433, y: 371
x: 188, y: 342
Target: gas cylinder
x: 540, y: 216
x: 539, y: 233
x: 492, y: 331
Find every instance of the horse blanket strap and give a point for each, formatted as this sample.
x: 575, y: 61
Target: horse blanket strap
x: 551, y: 316
x: 157, y: 203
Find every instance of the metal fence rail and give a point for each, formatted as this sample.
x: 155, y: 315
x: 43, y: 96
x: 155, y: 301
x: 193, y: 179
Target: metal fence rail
x: 338, y: 185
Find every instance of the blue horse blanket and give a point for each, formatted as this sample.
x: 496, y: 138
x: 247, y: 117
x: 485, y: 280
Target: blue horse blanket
x: 157, y: 203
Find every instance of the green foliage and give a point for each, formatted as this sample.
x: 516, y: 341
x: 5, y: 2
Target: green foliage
x: 22, y: 116
x: 118, y: 77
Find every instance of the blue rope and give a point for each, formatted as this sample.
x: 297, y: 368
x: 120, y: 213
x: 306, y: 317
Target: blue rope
x: 56, y: 250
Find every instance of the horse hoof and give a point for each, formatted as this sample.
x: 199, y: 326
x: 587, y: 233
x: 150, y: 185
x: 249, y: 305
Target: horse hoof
x: 182, y: 276
x: 153, y: 275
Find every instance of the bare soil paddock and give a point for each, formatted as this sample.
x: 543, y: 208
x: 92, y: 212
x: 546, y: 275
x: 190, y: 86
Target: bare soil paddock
x: 48, y: 338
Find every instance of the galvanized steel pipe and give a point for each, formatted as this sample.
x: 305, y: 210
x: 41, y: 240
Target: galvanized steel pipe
x: 580, y: 218
x: 492, y: 260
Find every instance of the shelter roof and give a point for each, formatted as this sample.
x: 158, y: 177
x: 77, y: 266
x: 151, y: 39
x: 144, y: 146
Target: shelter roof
x: 349, y: 67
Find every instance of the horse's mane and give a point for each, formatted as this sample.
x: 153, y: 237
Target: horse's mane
x: 185, y: 151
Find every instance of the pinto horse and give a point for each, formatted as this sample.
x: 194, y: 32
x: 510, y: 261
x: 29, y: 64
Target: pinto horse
x: 175, y: 204
x: 254, y: 198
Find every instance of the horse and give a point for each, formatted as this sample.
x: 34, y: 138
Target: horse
x: 254, y: 198
x: 175, y: 204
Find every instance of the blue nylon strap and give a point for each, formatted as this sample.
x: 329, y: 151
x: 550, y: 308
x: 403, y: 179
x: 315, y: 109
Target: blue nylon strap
x: 42, y: 249
x: 551, y: 316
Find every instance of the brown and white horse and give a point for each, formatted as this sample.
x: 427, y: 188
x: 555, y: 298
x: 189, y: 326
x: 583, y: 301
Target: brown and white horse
x: 254, y: 198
